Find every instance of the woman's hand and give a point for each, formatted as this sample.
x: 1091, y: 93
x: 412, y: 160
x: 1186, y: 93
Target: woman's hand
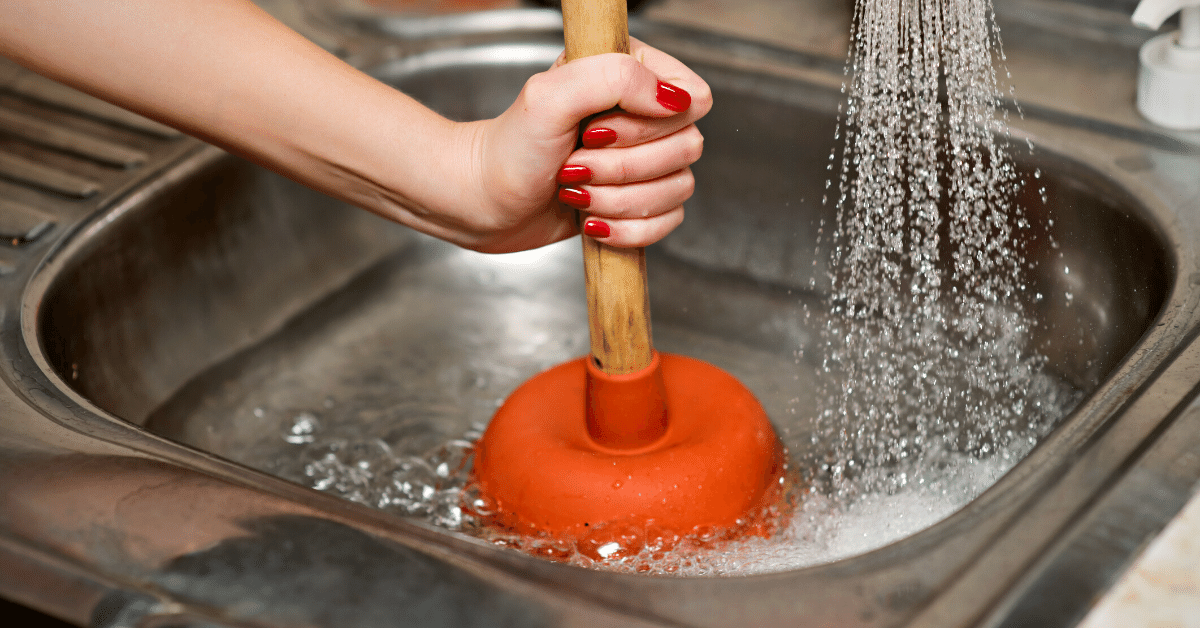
x: 631, y: 176
x: 229, y: 73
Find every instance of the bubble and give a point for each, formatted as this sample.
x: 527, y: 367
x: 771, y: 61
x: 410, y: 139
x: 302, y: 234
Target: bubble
x: 302, y: 428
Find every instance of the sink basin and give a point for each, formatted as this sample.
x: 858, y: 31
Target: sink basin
x: 169, y: 347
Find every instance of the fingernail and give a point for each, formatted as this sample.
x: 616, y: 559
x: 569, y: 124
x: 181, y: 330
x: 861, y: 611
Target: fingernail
x: 673, y: 98
x: 598, y: 138
x: 596, y: 228
x: 575, y: 197
x: 574, y: 174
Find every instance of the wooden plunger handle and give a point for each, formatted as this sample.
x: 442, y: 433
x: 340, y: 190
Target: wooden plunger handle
x: 618, y: 302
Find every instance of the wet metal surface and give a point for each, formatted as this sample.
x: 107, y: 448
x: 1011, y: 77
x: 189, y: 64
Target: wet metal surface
x: 216, y: 267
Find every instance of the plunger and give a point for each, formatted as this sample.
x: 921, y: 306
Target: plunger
x: 626, y: 434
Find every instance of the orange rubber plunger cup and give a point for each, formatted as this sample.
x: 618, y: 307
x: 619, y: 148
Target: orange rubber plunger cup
x: 627, y: 434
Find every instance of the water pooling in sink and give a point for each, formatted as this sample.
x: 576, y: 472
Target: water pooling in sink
x: 376, y: 393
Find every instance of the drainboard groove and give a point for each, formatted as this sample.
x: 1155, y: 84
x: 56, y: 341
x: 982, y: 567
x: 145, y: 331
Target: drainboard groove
x: 39, y: 175
x: 64, y: 153
x: 21, y: 224
x: 35, y: 131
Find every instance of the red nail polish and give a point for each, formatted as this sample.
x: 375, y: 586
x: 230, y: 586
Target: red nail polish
x: 575, y: 197
x: 598, y: 138
x: 596, y: 228
x: 574, y: 174
x: 673, y: 98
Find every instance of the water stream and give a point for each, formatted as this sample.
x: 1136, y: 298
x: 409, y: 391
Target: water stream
x: 928, y: 326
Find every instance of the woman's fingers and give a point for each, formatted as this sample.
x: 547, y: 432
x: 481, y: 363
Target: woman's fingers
x: 626, y: 126
x: 684, y: 89
x: 631, y: 178
x: 608, y: 166
x: 633, y: 200
x: 670, y: 69
x: 676, y: 88
x: 631, y: 83
x: 563, y: 96
x: 619, y: 129
x: 632, y: 232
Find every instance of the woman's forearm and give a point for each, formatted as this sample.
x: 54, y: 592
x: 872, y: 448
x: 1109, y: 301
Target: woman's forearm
x: 226, y: 71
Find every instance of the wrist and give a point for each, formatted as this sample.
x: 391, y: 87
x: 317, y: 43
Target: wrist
x: 431, y: 178
x: 392, y: 156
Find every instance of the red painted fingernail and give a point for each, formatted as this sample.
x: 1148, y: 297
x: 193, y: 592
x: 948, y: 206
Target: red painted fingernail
x: 575, y: 197
x: 598, y: 138
x: 596, y: 228
x: 673, y: 98
x: 574, y: 174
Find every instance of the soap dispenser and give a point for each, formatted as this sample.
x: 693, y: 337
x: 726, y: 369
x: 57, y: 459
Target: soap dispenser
x: 1169, y: 77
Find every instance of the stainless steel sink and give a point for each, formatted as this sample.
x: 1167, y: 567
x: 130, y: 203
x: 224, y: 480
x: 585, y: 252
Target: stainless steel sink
x: 156, y: 345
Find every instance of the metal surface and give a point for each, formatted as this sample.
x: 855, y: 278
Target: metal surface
x: 164, y: 285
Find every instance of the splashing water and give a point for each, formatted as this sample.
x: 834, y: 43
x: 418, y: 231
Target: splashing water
x: 928, y: 345
x: 927, y: 390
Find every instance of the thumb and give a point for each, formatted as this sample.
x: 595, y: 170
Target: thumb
x: 566, y: 94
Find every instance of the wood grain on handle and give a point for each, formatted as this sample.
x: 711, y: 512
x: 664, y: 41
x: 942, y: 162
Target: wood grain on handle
x: 594, y: 27
x: 618, y: 303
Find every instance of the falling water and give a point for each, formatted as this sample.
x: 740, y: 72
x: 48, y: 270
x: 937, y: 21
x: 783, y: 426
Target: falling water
x: 927, y: 350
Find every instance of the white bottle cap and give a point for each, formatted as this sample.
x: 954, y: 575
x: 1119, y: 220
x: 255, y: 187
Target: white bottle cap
x: 1169, y: 77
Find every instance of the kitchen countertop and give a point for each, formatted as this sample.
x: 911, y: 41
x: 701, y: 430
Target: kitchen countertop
x: 1162, y: 587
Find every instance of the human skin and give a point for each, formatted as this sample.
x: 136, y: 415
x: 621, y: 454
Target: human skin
x: 229, y: 73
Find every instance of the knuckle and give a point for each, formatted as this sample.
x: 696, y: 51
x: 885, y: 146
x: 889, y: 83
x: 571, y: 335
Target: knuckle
x: 537, y: 89
x: 622, y: 203
x: 620, y: 75
x: 702, y: 99
x: 687, y: 186
x: 673, y: 219
x: 693, y: 145
x: 623, y: 174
